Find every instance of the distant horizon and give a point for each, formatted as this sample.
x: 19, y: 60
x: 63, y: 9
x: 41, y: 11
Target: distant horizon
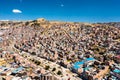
x: 63, y: 21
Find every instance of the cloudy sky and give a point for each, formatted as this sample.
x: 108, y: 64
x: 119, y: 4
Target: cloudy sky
x: 63, y: 10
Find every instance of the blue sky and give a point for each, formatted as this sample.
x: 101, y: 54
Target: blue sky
x: 62, y: 10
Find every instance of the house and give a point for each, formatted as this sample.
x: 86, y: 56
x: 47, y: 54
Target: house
x: 117, y: 59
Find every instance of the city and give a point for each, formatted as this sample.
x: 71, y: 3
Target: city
x: 52, y: 50
x: 60, y: 40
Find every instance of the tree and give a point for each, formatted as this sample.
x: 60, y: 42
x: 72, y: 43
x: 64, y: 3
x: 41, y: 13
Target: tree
x: 90, y: 78
x: 33, y: 53
x: 27, y: 23
x: 96, y: 63
x: 53, y: 69
x: 101, y: 53
x: 14, y: 58
x: 47, y: 67
x: 37, y: 62
x: 59, y: 72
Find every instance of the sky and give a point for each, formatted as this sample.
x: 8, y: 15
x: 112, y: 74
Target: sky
x: 61, y: 10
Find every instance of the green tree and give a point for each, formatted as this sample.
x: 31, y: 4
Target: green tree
x: 59, y: 72
x: 53, y: 69
x: 47, y: 67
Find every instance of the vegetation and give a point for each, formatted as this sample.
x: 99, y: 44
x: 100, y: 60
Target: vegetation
x: 33, y: 53
x: 53, y: 69
x: 59, y: 73
x: 38, y: 63
x: 47, y: 67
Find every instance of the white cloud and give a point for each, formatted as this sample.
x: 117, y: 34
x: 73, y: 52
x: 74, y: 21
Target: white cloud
x: 16, y: 11
x: 62, y: 5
